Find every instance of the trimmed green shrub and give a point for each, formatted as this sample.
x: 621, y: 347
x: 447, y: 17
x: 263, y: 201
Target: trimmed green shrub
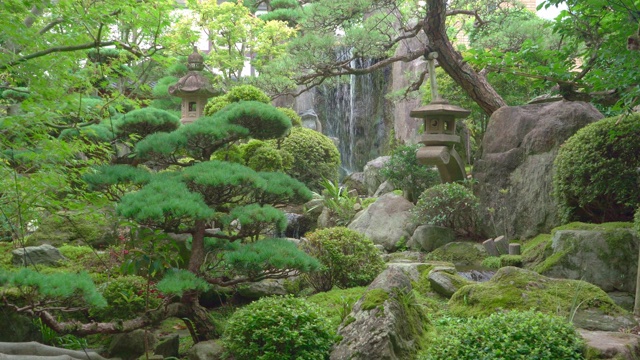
x: 216, y: 104
x: 512, y: 335
x: 595, y: 177
x: 261, y: 156
x: 126, y: 298
x: 247, y: 93
x: 279, y: 328
x: 315, y: 157
x: 349, y: 258
x: 296, y: 120
x: 146, y: 121
x: 405, y: 173
x: 450, y: 205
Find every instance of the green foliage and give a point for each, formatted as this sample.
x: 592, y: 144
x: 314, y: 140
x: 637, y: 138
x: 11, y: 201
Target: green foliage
x: 262, y: 120
x: 404, y: 172
x: 60, y: 286
x: 216, y: 104
x: 279, y: 328
x: 315, y: 157
x: 595, y: 178
x: 262, y: 156
x: 296, y: 120
x: 450, y: 205
x: 492, y: 262
x: 162, y: 99
x: 349, y: 258
x: 247, y: 93
x: 511, y: 335
x: 176, y: 282
x: 636, y: 221
x: 337, y: 303
x: 337, y: 200
x: 146, y: 121
x: 18, y: 94
x: 126, y: 298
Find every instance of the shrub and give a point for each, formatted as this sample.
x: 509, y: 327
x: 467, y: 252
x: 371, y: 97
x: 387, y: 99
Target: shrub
x: 512, y: 335
x: 450, y: 205
x: 349, y: 258
x: 404, y: 172
x: 296, y: 120
x: 126, y: 298
x: 278, y: 328
x: 247, y: 93
x: 261, y: 156
x: 595, y: 177
x: 216, y: 104
x: 315, y: 157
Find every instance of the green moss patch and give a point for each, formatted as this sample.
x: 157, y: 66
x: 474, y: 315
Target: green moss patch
x: 375, y: 299
x: 459, y: 253
x: 513, y: 288
x: 593, y: 227
x: 337, y: 303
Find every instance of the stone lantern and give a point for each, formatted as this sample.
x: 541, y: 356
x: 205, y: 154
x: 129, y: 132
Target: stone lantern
x: 439, y: 138
x: 193, y: 88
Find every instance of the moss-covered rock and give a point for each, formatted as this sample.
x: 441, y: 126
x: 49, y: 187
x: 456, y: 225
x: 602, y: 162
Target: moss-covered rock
x: 95, y: 228
x: 446, y: 283
x: 460, y: 253
x: 513, y: 288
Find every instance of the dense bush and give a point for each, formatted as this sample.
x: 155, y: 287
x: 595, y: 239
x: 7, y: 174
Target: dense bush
x: 595, y: 177
x: 348, y: 258
x: 247, y: 93
x: 450, y: 205
x: 405, y: 173
x: 512, y: 335
x: 315, y: 157
x: 262, y: 156
x: 278, y: 328
x: 296, y: 120
x: 126, y: 298
x: 216, y: 104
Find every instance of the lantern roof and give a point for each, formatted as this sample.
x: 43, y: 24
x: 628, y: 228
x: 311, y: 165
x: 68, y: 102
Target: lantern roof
x: 193, y: 83
x: 439, y: 107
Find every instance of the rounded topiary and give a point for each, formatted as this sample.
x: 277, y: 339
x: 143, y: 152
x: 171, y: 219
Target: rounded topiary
x: 146, y: 121
x: 348, y: 257
x: 279, y: 328
x: 405, y: 173
x: 595, y: 177
x: 512, y: 335
x: 216, y: 104
x: 296, y: 120
x: 247, y: 93
x: 262, y: 156
x: 315, y: 157
x: 450, y: 205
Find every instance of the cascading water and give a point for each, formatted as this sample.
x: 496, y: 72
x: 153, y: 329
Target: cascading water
x: 353, y: 109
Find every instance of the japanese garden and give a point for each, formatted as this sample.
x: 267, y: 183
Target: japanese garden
x: 320, y: 179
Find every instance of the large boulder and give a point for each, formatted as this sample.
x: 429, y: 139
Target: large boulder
x: 131, y: 345
x: 603, y: 255
x: 206, y: 350
x: 515, y: 169
x: 446, y: 282
x: 380, y: 326
x: 430, y: 237
x: 611, y: 345
x: 386, y: 222
x: 512, y: 288
x: 372, y: 176
x: 37, y: 255
x: 461, y: 253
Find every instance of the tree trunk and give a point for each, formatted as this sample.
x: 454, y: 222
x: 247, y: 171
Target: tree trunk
x: 474, y: 84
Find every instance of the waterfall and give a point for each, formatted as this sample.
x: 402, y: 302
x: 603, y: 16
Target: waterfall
x: 354, y: 110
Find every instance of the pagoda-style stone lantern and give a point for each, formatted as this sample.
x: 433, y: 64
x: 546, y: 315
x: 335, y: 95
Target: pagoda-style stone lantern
x: 439, y: 136
x: 193, y: 88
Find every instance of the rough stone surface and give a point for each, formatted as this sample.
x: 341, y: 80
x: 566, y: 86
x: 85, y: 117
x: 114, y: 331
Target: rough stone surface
x: 606, y: 258
x: 206, y: 350
x: 612, y: 345
x: 386, y: 221
x: 427, y: 238
x: 310, y: 120
x: 461, y: 253
x: 593, y: 319
x: 384, y: 188
x: 168, y: 346
x: 372, y: 176
x: 355, y: 181
x: 262, y: 288
x: 515, y: 169
x: 381, y: 332
x: 37, y: 255
x: 130, y: 346
x: 446, y: 283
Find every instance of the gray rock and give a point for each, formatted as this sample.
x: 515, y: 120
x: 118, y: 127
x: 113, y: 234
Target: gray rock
x: 372, y: 176
x: 592, y: 319
x: 612, y: 345
x: 131, y: 345
x: 168, y: 346
x: 515, y: 169
x: 384, y: 188
x: 355, y: 181
x: 376, y: 328
x: 606, y: 258
x: 386, y: 221
x: 461, y: 253
x: 430, y: 237
x: 37, y: 255
x: 262, y: 288
x: 206, y: 350
x: 446, y: 283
